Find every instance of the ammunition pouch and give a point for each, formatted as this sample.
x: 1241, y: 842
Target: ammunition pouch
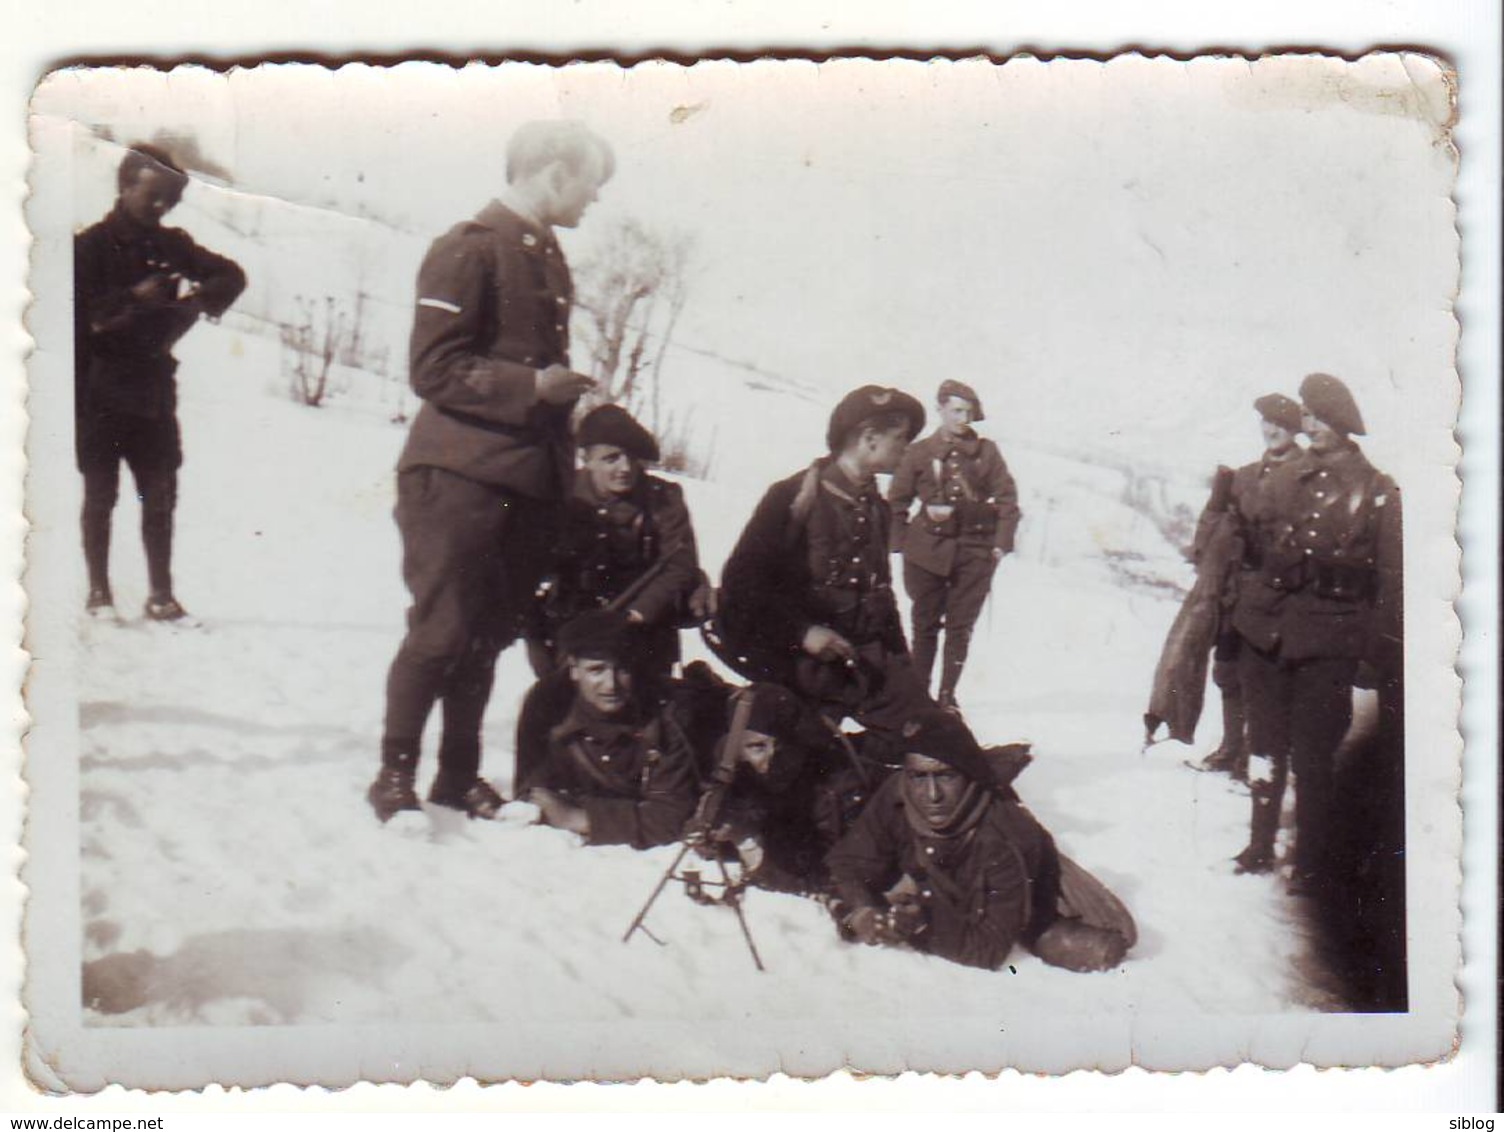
x: 976, y: 519
x: 1342, y: 582
x: 1337, y: 581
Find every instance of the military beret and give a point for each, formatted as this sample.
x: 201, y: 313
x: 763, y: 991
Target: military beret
x: 952, y: 388
x: 867, y: 402
x: 1328, y: 400
x: 775, y: 711
x: 1278, y: 409
x: 603, y: 634
x: 939, y: 735
x: 613, y: 425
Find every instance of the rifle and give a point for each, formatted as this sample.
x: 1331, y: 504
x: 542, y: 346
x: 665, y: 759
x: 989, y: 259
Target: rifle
x: 640, y: 583
x: 698, y: 833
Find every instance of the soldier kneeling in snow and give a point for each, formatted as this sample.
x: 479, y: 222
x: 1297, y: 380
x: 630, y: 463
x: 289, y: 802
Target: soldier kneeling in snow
x: 619, y: 769
x: 943, y: 862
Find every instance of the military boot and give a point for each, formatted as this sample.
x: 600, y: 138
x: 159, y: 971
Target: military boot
x: 478, y: 800
x: 395, y: 788
x: 1234, y: 736
x: 1258, y: 857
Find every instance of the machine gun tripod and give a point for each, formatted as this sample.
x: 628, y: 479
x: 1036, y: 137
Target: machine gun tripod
x: 725, y: 892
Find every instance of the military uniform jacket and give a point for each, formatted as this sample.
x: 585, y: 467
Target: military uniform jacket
x: 635, y: 780
x: 1221, y: 536
x: 982, y: 891
x: 968, y: 475
x: 815, y: 552
x: 609, y: 544
x: 123, y: 345
x: 494, y: 297
x: 1323, y: 572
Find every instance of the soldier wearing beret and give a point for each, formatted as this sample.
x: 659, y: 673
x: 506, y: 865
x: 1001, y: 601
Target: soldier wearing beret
x: 627, y: 542
x: 791, y: 789
x: 1218, y: 547
x: 1320, y: 594
x: 619, y: 768
x: 488, y: 460
x: 807, y: 597
x: 968, y: 513
x: 139, y: 286
x: 942, y: 862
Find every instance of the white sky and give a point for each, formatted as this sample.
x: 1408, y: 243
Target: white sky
x: 1118, y: 257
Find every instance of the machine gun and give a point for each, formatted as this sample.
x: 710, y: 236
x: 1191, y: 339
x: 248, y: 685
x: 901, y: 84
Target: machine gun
x: 700, y: 833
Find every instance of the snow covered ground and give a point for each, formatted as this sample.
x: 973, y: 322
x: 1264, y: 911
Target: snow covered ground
x: 233, y: 874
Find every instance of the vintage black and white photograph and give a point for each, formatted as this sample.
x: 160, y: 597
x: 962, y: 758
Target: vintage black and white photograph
x: 594, y: 572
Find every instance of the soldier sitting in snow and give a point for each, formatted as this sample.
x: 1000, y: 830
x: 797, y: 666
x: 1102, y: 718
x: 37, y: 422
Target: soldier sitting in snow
x: 626, y: 543
x: 619, y: 769
x: 942, y: 862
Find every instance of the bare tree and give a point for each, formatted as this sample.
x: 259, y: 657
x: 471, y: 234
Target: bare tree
x: 310, y: 346
x: 631, y: 292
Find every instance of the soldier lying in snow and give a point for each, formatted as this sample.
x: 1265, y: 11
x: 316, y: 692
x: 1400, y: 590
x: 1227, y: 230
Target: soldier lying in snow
x: 794, y: 789
x: 619, y: 769
x: 942, y: 862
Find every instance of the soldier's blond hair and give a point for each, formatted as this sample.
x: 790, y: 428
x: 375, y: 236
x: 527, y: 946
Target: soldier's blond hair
x: 536, y: 145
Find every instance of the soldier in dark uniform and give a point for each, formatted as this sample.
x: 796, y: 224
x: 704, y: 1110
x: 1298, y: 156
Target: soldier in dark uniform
x: 968, y: 513
x: 807, y: 599
x: 138, y: 288
x: 942, y: 862
x: 1321, y: 594
x: 1229, y: 514
x: 792, y: 789
x: 619, y: 768
x: 489, y: 458
x: 627, y: 542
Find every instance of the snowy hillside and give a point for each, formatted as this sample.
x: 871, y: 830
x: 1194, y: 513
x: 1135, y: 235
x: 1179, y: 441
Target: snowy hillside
x: 233, y: 874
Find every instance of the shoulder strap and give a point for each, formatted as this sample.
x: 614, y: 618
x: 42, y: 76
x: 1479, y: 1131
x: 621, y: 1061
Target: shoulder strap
x: 804, y: 502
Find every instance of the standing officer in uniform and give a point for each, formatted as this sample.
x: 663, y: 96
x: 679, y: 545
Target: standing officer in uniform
x: 138, y: 287
x: 1222, y: 523
x: 627, y: 541
x: 1322, y: 592
x: 968, y: 513
x: 489, y: 458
